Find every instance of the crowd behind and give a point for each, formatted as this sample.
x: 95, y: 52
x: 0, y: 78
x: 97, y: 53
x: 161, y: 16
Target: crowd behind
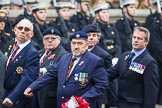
x: 52, y: 40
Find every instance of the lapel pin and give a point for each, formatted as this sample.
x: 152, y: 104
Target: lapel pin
x: 81, y: 63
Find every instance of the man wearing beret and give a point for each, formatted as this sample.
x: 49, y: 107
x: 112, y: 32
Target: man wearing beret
x: 22, y: 66
x: 51, y: 54
x: 93, y: 40
x: 86, y: 78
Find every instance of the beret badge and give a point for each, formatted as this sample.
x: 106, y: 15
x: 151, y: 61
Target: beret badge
x: 77, y: 36
x: 52, y: 31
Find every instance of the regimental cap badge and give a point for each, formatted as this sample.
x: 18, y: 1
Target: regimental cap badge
x: 52, y: 31
x: 112, y: 33
x: 77, y: 36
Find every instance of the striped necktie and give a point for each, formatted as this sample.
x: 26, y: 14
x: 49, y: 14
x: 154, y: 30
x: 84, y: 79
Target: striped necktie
x: 70, y: 67
x: 13, y: 55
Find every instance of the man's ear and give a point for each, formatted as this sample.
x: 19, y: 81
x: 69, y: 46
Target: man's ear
x: 32, y: 34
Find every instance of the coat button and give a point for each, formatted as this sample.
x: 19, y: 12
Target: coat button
x: 62, y: 97
x: 63, y: 86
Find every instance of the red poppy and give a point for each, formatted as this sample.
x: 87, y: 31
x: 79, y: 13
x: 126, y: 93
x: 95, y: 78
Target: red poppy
x: 51, y: 57
x: 80, y: 101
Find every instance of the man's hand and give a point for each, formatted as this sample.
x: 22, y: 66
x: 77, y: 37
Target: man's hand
x: 42, y: 71
x: 28, y: 92
x: 7, y: 102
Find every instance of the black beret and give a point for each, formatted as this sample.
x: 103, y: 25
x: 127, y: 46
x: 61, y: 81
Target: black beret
x: 51, y: 30
x: 18, y: 19
x: 90, y: 28
x: 79, y: 35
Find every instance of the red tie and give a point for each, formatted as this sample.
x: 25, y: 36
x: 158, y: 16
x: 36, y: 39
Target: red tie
x: 70, y: 67
x: 13, y: 55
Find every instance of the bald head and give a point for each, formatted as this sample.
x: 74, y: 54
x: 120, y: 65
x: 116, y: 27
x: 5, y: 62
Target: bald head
x: 23, y: 29
x: 25, y: 22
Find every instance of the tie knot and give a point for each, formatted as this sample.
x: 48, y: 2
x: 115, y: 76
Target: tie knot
x: 17, y: 47
x: 131, y: 55
x: 73, y: 59
x: 15, y: 43
x: 47, y: 53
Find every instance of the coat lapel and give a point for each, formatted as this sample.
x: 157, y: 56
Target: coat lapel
x: 17, y: 58
x: 139, y: 58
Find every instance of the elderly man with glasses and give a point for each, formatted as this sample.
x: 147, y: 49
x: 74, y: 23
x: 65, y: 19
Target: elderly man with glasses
x: 22, y: 66
x: 52, y: 52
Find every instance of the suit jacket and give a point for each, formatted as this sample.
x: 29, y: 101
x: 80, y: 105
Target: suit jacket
x: 20, y: 74
x: 87, y: 80
x: 136, y: 90
x: 47, y: 95
x: 3, y: 60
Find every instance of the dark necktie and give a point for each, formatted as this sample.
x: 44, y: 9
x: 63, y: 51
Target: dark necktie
x: 131, y: 55
x: 70, y: 67
x: 13, y: 55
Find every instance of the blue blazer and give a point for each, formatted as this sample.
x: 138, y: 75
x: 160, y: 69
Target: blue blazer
x: 21, y: 73
x: 136, y: 90
x: 88, y: 79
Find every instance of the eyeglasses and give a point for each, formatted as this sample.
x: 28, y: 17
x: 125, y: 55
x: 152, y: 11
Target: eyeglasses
x: 51, y: 38
x: 26, y: 29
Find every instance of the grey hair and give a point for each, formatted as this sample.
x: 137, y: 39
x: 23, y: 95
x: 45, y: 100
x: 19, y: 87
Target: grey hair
x: 145, y: 30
